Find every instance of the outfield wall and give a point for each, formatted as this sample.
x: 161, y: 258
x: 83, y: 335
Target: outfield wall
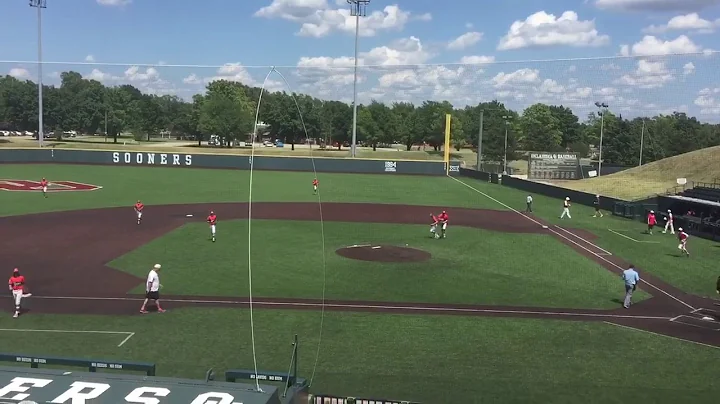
x: 239, y: 162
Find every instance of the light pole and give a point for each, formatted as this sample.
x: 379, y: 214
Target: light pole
x: 603, y: 110
x: 507, y: 119
x: 39, y: 4
x: 358, y: 8
x: 642, y: 141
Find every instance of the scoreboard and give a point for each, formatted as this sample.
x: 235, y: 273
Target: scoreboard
x: 554, y: 166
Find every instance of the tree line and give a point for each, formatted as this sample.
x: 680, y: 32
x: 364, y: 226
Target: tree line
x: 227, y: 110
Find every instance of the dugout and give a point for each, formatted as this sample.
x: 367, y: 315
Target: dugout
x: 698, y: 216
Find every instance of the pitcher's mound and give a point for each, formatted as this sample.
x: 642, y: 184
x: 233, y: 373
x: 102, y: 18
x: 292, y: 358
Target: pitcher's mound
x: 384, y: 253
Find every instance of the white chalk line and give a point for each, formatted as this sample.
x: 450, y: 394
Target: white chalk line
x: 662, y: 335
x: 367, y: 306
x: 677, y: 320
x: 585, y: 241
x: 632, y: 239
x: 128, y: 334
x: 590, y: 251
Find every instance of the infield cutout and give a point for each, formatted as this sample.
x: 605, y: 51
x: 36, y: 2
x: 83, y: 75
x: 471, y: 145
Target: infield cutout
x: 383, y: 253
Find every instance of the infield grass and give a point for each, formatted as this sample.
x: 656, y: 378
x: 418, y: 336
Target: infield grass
x: 471, y: 266
x: 431, y: 359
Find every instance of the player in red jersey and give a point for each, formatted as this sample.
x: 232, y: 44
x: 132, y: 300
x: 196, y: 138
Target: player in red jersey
x: 443, y: 218
x: 651, y: 221
x: 43, y: 186
x: 16, y: 285
x: 212, y: 219
x: 315, y: 185
x: 683, y: 237
x: 433, y: 226
x: 139, y: 211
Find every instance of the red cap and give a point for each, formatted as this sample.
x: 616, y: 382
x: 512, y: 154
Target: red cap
x: 16, y: 270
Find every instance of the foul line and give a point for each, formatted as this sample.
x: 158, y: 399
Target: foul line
x: 662, y: 335
x: 127, y: 333
x: 586, y: 249
x: 632, y: 239
x: 606, y: 252
x: 367, y: 306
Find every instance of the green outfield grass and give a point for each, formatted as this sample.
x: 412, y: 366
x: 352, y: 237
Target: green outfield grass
x: 472, y: 266
x: 124, y: 185
x: 432, y: 359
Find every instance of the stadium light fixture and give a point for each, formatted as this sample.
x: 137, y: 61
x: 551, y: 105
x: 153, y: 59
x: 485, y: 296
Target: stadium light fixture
x: 358, y: 8
x: 39, y: 4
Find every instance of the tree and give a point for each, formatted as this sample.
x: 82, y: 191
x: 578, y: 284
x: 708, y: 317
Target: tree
x: 228, y: 109
x: 540, y: 129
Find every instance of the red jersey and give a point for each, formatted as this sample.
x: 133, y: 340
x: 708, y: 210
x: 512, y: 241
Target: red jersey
x: 43, y: 183
x: 315, y: 182
x: 139, y: 207
x: 651, y: 219
x: 443, y: 217
x: 212, y: 219
x: 17, y: 282
x: 682, y: 236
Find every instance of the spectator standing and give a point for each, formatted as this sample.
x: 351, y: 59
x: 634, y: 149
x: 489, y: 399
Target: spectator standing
x: 631, y: 279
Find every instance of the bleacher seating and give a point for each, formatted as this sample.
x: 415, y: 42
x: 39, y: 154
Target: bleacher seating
x: 704, y: 193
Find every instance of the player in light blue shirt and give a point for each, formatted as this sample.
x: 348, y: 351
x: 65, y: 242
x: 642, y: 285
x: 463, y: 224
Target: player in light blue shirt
x: 631, y: 278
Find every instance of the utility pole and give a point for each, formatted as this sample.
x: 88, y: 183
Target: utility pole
x: 642, y: 141
x: 358, y: 8
x: 603, y: 110
x: 507, y: 123
x: 105, y: 125
x: 480, y: 139
x: 39, y: 4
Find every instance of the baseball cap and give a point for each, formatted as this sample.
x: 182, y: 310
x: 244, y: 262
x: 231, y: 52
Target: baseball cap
x: 16, y: 270
x: 157, y: 266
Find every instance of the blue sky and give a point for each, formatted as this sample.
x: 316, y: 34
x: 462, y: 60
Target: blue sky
x: 631, y: 54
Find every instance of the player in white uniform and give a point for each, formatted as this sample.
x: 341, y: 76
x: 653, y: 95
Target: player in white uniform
x: 669, y: 223
x: 566, y: 208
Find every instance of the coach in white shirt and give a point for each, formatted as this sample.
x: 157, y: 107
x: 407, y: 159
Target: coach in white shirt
x: 152, y: 290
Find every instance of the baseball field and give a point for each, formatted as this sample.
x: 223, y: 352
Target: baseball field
x: 510, y: 307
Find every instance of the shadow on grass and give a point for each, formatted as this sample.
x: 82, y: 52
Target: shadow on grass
x: 618, y: 301
x: 442, y: 154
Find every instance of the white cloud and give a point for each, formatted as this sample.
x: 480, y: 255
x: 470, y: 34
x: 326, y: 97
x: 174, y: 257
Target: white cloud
x: 465, y: 40
x: 709, y: 101
x: 652, y: 46
x: 543, y: 29
x: 192, y: 79
x: 89, y: 58
x: 114, y: 3
x: 655, y: 5
x: 648, y: 75
x: 98, y: 75
x: 318, y: 19
x: 518, y: 77
x: 689, y: 68
x: 19, y: 73
x: 477, y: 60
x: 688, y: 23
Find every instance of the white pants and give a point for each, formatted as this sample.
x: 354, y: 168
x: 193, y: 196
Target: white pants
x: 433, y: 228
x: 682, y: 247
x: 212, y: 229
x: 566, y: 212
x: 44, y: 189
x: 444, y: 226
x: 669, y: 225
x: 17, y: 295
x: 139, y: 215
x: 315, y: 187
